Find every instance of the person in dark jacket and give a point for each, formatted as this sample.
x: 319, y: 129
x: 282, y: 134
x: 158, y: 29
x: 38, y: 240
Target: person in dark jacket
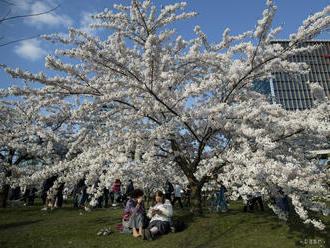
x: 106, y: 195
x: 188, y: 195
x: 129, y: 188
x: 83, y: 193
x: 59, y: 196
x: 168, y: 190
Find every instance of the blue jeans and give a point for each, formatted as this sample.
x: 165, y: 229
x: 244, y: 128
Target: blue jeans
x: 222, y: 204
x: 116, y: 196
x: 83, y: 199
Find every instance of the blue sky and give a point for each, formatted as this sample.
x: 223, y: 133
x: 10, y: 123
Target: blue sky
x: 214, y: 16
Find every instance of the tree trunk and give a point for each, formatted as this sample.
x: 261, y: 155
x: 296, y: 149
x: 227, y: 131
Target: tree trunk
x: 196, y: 200
x: 196, y: 186
x: 5, y: 190
x: 4, y: 195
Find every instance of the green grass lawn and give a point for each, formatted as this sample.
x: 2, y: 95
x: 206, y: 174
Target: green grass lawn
x: 66, y: 227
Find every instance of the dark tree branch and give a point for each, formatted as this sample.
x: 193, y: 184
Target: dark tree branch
x: 282, y: 137
x: 201, y: 147
x: 182, y: 162
x: 214, y: 172
x: 15, y: 41
x: 258, y: 66
x: 144, y: 22
x: 29, y: 15
x: 6, y: 2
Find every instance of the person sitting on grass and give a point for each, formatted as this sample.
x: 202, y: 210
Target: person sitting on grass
x: 134, y: 213
x: 160, y: 213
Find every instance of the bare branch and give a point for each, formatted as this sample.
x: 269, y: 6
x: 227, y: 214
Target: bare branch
x: 29, y: 15
x: 15, y: 41
x: 6, y: 2
x: 288, y: 135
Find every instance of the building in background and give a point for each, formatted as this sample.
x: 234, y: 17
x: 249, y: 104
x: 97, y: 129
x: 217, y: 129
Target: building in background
x: 293, y: 92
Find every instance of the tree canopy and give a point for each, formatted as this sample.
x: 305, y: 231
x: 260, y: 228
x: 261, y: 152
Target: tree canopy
x: 150, y: 105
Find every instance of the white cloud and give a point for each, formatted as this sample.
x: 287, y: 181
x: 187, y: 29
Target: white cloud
x: 85, y: 23
x: 49, y: 19
x: 20, y: 5
x: 30, y: 49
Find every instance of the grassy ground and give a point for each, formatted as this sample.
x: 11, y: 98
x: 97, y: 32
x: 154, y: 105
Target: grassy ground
x: 67, y: 227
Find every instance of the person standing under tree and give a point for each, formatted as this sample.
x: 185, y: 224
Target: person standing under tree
x: 168, y: 189
x: 59, y: 196
x: 116, y: 189
x: 129, y: 189
x: 106, y: 195
x: 177, y: 194
x: 188, y: 194
x: 222, y: 199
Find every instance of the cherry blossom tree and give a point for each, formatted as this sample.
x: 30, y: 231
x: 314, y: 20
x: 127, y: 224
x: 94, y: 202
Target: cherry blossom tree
x: 33, y: 136
x: 186, y: 107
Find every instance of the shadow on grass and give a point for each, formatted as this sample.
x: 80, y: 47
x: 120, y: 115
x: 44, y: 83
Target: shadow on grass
x: 307, y: 233
x: 186, y: 217
x: 219, y: 235
x: 18, y: 224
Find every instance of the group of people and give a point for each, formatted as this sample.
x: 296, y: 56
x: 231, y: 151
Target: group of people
x: 52, y: 202
x: 113, y: 197
x: 135, y: 217
x: 80, y: 196
x: 26, y: 197
x: 173, y: 193
x: 156, y: 221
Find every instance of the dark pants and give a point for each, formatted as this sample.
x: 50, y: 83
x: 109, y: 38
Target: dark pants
x: 83, y: 199
x: 75, y: 201
x: 188, y: 201
x: 259, y: 201
x: 162, y: 226
x: 252, y: 204
x: 44, y: 197
x: 100, y: 201
x: 106, y: 201
x: 177, y: 199
x: 168, y: 196
x: 31, y: 200
x: 59, y: 200
x: 249, y: 205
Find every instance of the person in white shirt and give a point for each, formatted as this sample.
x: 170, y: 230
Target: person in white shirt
x: 177, y: 194
x: 160, y: 213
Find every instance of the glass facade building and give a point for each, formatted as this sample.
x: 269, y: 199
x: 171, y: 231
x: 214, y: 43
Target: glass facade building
x: 293, y: 92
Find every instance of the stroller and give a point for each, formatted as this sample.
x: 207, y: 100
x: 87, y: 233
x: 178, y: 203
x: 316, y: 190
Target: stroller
x: 121, y: 200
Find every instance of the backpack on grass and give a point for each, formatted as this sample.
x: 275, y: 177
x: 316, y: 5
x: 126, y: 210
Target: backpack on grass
x: 177, y: 226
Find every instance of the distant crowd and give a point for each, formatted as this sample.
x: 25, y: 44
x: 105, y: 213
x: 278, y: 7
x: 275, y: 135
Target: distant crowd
x: 135, y: 219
